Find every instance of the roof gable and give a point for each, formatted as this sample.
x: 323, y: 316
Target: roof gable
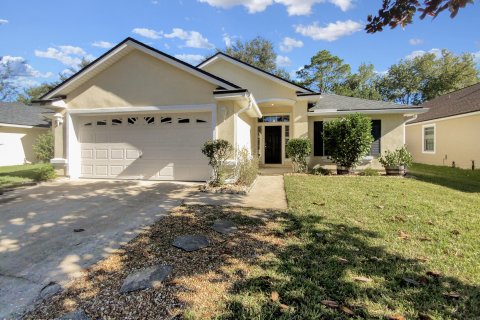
x: 122, y: 49
x: 255, y: 70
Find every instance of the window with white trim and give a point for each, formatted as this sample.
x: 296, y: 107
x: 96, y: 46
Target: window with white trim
x: 429, y: 139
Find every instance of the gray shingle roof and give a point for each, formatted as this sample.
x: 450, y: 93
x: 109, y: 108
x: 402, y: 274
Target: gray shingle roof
x: 20, y: 114
x: 343, y: 103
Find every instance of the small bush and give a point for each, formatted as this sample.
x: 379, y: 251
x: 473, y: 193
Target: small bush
x: 299, y: 150
x: 319, y: 171
x: 369, y: 172
x: 247, y: 168
x: 44, y: 173
x: 399, y: 157
x: 217, y: 151
x: 348, y: 139
x: 44, y: 147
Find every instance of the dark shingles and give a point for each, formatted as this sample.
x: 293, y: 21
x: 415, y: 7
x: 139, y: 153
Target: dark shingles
x: 451, y: 104
x: 20, y: 114
x: 343, y: 103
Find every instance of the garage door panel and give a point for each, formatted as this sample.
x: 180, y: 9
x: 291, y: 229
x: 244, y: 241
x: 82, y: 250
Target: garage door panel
x: 155, y: 151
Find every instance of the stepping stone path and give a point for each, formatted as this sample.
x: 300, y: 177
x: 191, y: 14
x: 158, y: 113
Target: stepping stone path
x: 75, y: 315
x: 191, y: 243
x: 146, y: 278
x: 224, y: 226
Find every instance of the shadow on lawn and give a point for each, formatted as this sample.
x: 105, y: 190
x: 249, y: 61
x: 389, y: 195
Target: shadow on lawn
x: 322, y: 267
x: 453, y: 178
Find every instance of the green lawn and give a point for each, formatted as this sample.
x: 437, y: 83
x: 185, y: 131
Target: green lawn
x: 14, y: 175
x: 374, y: 246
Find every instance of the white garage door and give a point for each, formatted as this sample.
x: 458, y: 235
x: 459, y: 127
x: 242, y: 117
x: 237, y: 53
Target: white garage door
x: 151, y: 147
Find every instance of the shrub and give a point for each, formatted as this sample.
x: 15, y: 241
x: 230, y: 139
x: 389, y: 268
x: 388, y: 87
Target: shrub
x: 217, y: 151
x: 247, y: 168
x: 44, y: 147
x: 298, y: 150
x: 369, y: 172
x: 399, y: 157
x: 348, y: 139
x: 44, y: 173
x: 319, y: 171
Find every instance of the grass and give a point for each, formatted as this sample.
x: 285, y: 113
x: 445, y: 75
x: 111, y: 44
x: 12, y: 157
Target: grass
x: 15, y: 175
x: 378, y: 247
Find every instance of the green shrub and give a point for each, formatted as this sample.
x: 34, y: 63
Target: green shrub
x: 299, y: 150
x: 44, y: 147
x: 217, y: 151
x: 399, y: 157
x: 369, y: 172
x: 348, y: 139
x: 44, y: 173
x: 319, y: 171
x: 247, y: 168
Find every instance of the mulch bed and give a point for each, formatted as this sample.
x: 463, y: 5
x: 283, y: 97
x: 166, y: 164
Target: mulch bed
x: 200, y: 280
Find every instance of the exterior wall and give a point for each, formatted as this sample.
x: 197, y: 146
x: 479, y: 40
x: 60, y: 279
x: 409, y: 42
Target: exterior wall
x: 393, y: 136
x: 139, y: 79
x: 456, y: 139
x: 16, y: 145
x: 244, y: 132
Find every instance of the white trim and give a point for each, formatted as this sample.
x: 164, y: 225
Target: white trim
x: 330, y: 112
x: 475, y: 113
x: 214, y: 122
x: 434, y: 138
x: 283, y: 101
x: 253, y: 70
x: 165, y: 109
x: 148, y: 51
x: 311, y: 97
x: 19, y: 126
x: 60, y: 161
x: 73, y: 148
x: 290, y: 123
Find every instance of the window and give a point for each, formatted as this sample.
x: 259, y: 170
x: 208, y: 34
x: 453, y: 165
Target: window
x: 166, y: 120
x: 377, y: 134
x: 101, y: 122
x: 429, y: 139
x: 132, y: 120
x: 149, y: 120
x: 271, y: 119
x: 318, y: 139
x: 117, y: 122
x: 287, y: 138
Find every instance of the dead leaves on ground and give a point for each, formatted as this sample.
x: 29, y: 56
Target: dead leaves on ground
x: 396, y: 317
x: 403, y: 235
x: 275, y: 297
x: 330, y: 303
x: 335, y: 305
x: 362, y: 279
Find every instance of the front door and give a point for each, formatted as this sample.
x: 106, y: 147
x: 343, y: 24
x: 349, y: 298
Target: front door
x: 273, y: 144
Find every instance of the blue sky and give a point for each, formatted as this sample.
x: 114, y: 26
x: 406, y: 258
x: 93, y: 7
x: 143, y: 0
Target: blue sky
x: 53, y: 35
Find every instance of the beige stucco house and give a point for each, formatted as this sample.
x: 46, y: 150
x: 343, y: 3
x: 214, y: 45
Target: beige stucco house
x: 138, y: 113
x: 20, y: 126
x: 448, y: 134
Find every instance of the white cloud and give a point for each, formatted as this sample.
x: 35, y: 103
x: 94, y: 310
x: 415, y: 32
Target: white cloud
x: 103, y: 44
x: 148, y: 33
x: 227, y: 39
x: 415, y: 42
x: 23, y: 74
x: 191, y: 58
x: 68, y: 55
x: 3, y: 21
x: 419, y: 53
x: 193, y: 39
x: 288, y: 44
x: 476, y: 56
x: 294, y: 7
x: 331, y: 32
x: 283, y: 61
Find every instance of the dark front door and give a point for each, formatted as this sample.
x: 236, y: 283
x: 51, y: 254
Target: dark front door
x: 273, y: 144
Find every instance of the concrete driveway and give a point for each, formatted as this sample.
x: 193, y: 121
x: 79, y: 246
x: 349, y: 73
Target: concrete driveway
x: 39, y: 250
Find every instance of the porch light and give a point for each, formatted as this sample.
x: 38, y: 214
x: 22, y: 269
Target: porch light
x: 57, y: 119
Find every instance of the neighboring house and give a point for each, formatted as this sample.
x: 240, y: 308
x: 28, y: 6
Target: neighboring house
x: 20, y: 125
x: 448, y: 134
x: 138, y: 113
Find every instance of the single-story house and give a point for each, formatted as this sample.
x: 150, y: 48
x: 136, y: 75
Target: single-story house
x: 448, y: 133
x: 139, y: 113
x: 20, y: 126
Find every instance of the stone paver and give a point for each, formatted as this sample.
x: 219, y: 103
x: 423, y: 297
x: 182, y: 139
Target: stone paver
x: 75, y: 315
x: 146, y: 278
x: 224, y: 226
x: 267, y: 193
x: 191, y: 242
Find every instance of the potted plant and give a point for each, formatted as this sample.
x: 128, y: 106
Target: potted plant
x: 348, y: 140
x: 395, y: 162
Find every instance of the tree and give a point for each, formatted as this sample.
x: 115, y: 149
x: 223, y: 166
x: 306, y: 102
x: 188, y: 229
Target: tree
x: 72, y: 70
x: 34, y: 92
x: 7, y: 88
x: 362, y: 84
x: 324, y: 72
x: 401, y: 12
x: 217, y: 151
x: 258, y: 52
x: 414, y: 81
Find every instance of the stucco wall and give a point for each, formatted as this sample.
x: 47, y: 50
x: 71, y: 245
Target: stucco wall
x: 393, y: 136
x: 16, y: 145
x: 457, y: 140
x: 139, y: 79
